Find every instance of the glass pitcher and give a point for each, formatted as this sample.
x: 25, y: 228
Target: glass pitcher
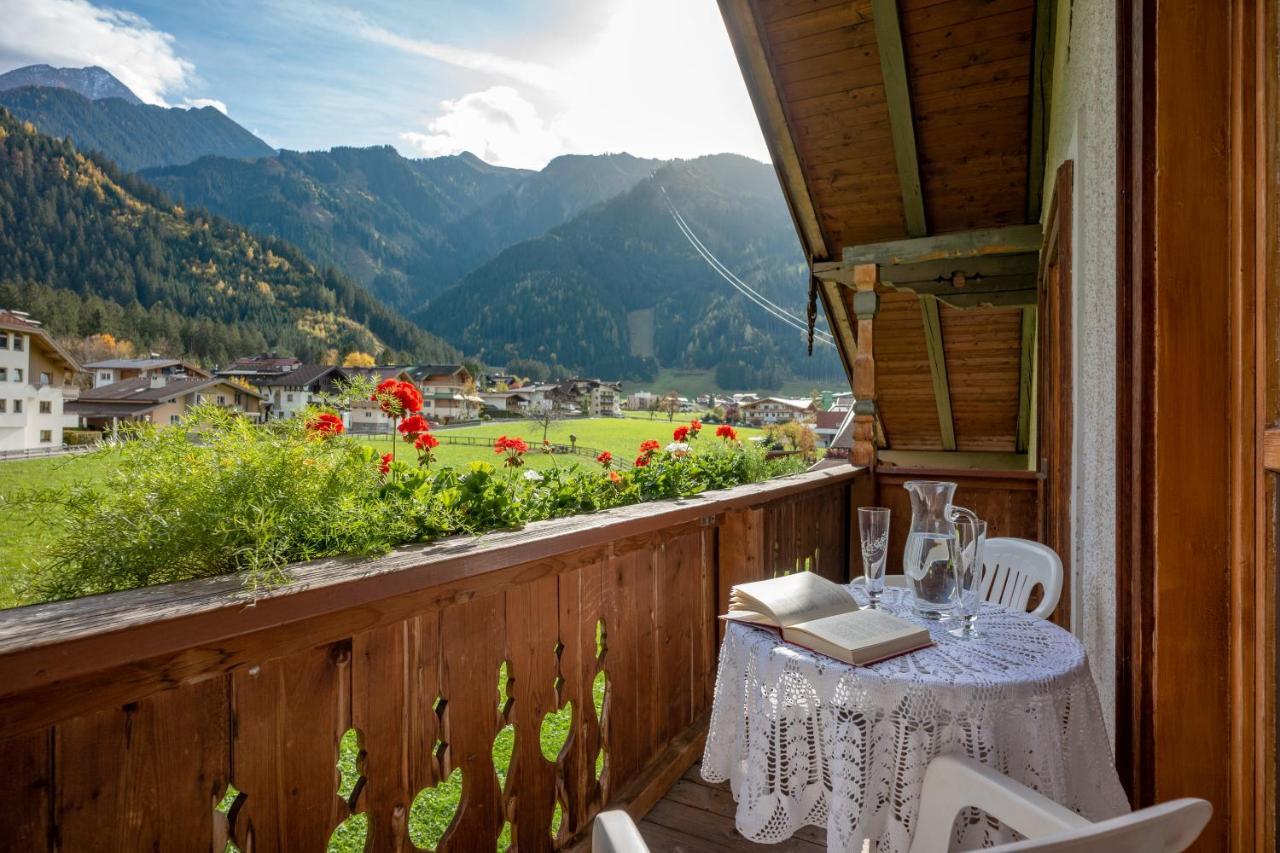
x: 930, y: 546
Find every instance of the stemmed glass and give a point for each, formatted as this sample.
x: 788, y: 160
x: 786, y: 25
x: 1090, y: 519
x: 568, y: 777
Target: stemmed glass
x: 970, y: 539
x: 873, y: 526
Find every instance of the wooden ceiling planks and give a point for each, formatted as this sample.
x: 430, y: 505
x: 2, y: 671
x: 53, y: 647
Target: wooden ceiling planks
x: 983, y: 354
x: 904, y: 383
x: 974, y: 154
x: 969, y: 77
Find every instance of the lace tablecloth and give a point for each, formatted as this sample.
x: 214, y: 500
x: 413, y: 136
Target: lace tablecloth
x: 807, y: 740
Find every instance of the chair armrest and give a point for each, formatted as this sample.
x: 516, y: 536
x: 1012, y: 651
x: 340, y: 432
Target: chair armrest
x: 615, y: 832
x: 953, y: 783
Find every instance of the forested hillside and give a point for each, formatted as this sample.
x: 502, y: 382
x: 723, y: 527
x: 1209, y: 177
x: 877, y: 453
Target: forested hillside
x: 405, y: 228
x: 133, y: 135
x: 75, y: 223
x: 380, y: 217
x: 619, y: 289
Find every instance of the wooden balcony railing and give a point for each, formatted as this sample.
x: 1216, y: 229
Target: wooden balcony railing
x: 125, y: 719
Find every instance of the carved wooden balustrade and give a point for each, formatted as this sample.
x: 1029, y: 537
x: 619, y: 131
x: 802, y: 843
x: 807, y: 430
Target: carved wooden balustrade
x: 189, y: 716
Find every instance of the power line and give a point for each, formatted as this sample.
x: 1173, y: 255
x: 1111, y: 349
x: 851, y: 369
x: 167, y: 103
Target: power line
x: 738, y: 284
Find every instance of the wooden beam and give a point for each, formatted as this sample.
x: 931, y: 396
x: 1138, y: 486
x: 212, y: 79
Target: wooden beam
x: 1010, y: 240
x: 1026, y: 374
x: 938, y: 368
x: 893, y: 67
x: 744, y: 33
x: 1041, y: 97
x: 865, y: 306
x: 983, y: 266
x: 990, y: 299
x: 841, y: 327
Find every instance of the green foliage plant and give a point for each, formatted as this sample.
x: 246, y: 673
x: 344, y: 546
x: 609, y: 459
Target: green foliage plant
x: 218, y: 494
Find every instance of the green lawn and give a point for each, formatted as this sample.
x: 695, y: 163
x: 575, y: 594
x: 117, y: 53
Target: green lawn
x: 694, y: 383
x: 26, y: 532
x: 619, y: 436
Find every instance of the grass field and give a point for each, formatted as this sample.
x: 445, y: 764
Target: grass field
x: 694, y: 383
x: 26, y: 532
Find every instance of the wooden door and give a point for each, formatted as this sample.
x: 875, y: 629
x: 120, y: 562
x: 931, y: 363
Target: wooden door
x: 1197, y: 329
x: 1055, y: 376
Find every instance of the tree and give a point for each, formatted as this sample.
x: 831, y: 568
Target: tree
x: 670, y: 404
x: 358, y: 359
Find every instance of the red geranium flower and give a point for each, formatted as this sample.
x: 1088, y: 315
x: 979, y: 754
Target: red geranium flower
x: 605, y: 458
x: 409, y: 396
x: 397, y: 398
x: 426, y: 441
x: 513, y: 447
x: 325, y: 423
x: 726, y: 432
x: 615, y: 478
x: 642, y: 461
x: 413, y: 425
x: 681, y: 433
x: 650, y: 446
x: 384, y: 465
x: 695, y: 426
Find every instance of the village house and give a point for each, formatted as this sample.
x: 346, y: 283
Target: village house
x: 777, y: 410
x: 448, y: 392
x: 641, y: 401
x: 593, y: 397
x: 161, y: 399
x: 36, y: 379
x: 288, y: 385
x: 114, y: 370
x: 509, y: 402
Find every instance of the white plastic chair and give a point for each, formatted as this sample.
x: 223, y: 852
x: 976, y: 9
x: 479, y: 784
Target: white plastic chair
x: 953, y: 783
x: 615, y: 832
x: 1011, y: 570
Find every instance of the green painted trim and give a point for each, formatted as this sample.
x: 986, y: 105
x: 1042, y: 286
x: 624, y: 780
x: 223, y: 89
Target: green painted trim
x: 938, y: 368
x: 1041, y: 101
x: 994, y: 284
x: 986, y: 266
x: 1026, y: 377
x: 992, y: 299
x: 1010, y: 240
x: 893, y: 66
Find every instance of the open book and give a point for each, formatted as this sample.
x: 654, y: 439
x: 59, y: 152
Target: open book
x: 815, y: 613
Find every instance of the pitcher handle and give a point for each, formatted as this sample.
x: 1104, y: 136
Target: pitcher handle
x: 962, y: 512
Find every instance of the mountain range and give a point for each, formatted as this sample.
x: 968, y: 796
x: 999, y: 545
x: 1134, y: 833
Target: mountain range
x: 77, y: 232
x: 100, y: 114
x: 576, y: 267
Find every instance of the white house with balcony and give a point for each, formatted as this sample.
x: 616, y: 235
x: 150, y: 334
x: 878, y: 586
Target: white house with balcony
x: 36, y: 378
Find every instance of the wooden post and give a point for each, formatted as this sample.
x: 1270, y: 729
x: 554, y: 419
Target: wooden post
x: 865, y: 305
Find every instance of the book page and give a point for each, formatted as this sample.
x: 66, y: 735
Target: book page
x: 787, y: 600
x: 865, y: 635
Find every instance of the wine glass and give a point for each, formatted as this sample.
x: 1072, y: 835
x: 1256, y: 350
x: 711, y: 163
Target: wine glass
x: 970, y: 539
x: 873, y: 527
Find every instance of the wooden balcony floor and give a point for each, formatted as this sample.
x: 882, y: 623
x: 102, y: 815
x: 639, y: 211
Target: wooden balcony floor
x: 697, y: 817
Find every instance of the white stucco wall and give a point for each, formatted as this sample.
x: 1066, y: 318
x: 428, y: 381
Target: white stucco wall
x: 1083, y: 129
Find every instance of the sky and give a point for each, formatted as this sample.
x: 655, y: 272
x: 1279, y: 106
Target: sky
x: 516, y: 82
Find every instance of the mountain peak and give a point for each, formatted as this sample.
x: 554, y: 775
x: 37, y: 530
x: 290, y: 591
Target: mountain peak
x: 94, y: 82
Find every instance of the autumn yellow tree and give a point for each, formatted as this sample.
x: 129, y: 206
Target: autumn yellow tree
x: 358, y: 359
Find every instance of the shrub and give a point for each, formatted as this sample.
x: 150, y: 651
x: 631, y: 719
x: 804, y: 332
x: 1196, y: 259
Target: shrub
x: 217, y: 494
x: 80, y: 437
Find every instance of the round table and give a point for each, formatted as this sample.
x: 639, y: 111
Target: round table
x: 807, y: 740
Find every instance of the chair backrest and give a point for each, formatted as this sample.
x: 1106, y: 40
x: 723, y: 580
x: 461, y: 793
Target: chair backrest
x: 615, y: 832
x: 1012, y: 568
x: 1165, y: 828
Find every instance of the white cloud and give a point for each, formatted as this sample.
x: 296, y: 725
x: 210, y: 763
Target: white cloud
x: 533, y: 73
x: 498, y: 125
x: 659, y: 79
x: 197, y: 103
x: 78, y: 33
